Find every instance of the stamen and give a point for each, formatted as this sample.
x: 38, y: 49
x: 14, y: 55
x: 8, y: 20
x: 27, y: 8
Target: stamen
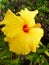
x: 38, y: 25
x: 26, y: 28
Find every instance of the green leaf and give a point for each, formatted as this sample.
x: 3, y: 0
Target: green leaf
x: 4, y: 49
x: 2, y: 42
x: 13, y: 62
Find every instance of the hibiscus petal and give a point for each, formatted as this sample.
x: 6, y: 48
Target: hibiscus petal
x: 34, y: 38
x: 28, y: 16
x: 18, y: 45
x: 12, y: 30
x: 11, y: 18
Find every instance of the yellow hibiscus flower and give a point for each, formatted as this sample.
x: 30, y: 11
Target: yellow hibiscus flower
x: 22, y: 33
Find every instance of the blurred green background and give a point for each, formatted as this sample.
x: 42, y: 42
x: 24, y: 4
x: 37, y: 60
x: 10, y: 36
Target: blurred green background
x: 41, y: 57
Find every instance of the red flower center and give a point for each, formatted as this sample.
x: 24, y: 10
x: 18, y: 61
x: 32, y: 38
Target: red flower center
x: 25, y: 28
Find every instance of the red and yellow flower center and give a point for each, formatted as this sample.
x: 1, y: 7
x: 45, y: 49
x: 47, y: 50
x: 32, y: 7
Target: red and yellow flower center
x: 26, y: 28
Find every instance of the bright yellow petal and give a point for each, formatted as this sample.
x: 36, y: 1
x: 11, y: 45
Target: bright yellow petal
x: 34, y: 38
x: 18, y: 44
x: 12, y: 30
x: 28, y: 16
x: 13, y: 24
x: 11, y: 18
